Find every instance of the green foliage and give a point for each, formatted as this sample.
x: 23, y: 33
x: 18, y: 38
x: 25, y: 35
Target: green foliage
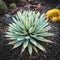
x: 12, y: 5
x: 3, y: 7
x: 28, y: 30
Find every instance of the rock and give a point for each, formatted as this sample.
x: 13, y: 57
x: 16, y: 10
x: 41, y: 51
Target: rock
x: 7, y: 15
x: 8, y: 18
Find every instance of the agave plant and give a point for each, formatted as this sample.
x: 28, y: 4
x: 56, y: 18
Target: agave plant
x: 28, y: 30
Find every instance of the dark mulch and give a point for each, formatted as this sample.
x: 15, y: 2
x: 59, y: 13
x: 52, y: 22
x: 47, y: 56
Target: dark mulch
x: 53, y: 49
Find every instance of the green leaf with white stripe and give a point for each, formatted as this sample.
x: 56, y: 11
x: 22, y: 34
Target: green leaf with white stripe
x: 37, y: 45
x: 30, y: 49
x: 25, y: 44
x: 17, y: 44
x: 42, y: 39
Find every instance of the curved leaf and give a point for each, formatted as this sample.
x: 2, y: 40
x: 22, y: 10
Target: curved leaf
x: 30, y: 49
x: 42, y: 39
x: 17, y: 44
x: 37, y: 45
x: 25, y: 44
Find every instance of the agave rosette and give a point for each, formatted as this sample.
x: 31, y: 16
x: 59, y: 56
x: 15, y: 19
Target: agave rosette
x: 28, y: 30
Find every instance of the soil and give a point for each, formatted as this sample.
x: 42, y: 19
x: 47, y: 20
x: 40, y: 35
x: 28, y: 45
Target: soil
x: 53, y: 49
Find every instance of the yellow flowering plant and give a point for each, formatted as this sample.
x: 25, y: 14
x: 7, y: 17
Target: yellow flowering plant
x: 53, y: 15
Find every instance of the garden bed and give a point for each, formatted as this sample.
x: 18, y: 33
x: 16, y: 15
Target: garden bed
x: 53, y: 49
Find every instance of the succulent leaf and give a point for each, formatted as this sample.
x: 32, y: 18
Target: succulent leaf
x: 30, y: 48
x: 25, y: 44
x: 12, y: 42
x: 35, y: 49
x: 38, y: 45
x: 41, y: 39
x: 17, y: 44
